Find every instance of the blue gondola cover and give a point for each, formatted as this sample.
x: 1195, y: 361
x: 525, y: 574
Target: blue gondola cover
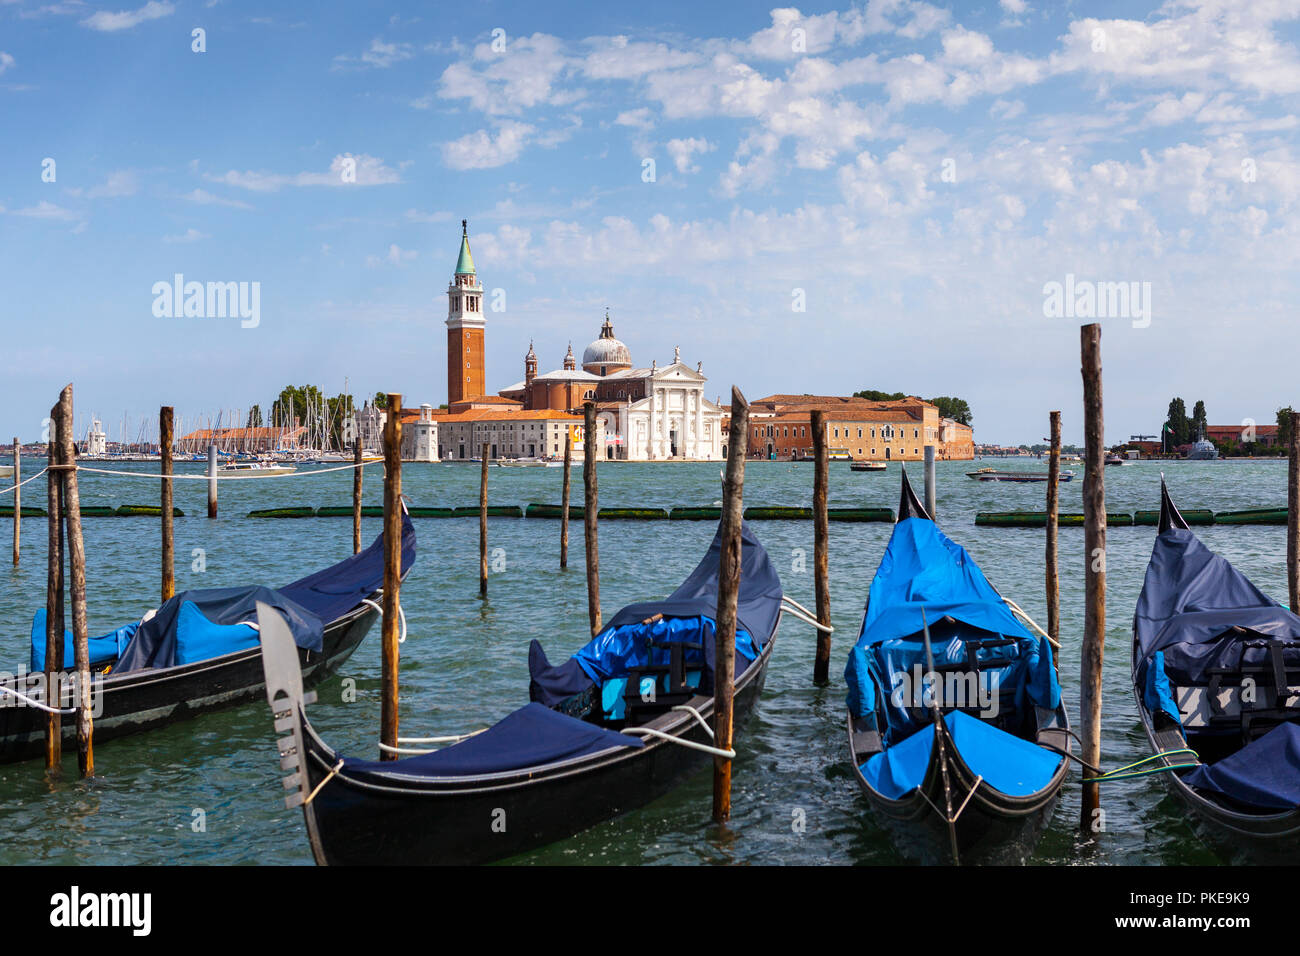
x: 532, y: 736
x: 1008, y: 764
x: 1265, y: 773
x: 200, y: 624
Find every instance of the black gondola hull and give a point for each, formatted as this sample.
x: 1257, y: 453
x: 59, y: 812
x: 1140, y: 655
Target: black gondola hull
x: 146, y: 699
x: 482, y: 819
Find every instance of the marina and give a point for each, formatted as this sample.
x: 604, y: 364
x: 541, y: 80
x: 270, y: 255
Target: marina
x: 151, y: 782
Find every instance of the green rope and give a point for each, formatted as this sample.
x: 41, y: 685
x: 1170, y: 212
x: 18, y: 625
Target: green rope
x: 1139, y: 773
x: 1123, y: 773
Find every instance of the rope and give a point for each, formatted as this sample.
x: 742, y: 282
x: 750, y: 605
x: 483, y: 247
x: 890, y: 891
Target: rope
x: 800, y: 614
x: 716, y: 751
x: 328, y: 777
x: 25, y: 480
x: 454, y: 738
x: 401, y: 617
x: 1030, y: 621
x: 292, y: 474
x: 696, y: 714
x: 36, y: 703
x: 1119, y: 773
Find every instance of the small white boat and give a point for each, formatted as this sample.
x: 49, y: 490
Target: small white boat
x: 528, y: 463
x: 255, y: 468
x: 868, y: 466
x: 6, y: 471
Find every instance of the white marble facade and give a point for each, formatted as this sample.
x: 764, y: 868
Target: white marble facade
x: 674, y: 420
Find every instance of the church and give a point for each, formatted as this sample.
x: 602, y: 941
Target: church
x: 643, y: 414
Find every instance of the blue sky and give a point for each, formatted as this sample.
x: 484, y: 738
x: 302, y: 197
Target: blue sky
x: 920, y: 171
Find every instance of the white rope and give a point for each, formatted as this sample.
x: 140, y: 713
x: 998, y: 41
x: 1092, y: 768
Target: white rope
x: 812, y: 621
x: 716, y: 751
x: 796, y: 605
x: 691, y: 710
x: 219, y: 477
x: 36, y: 703
x: 453, y: 739
x: 401, y: 617
x: 405, y: 750
x: 1030, y: 621
x: 24, y: 481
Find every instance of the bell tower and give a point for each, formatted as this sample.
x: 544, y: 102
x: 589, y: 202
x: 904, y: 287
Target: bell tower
x: 466, y: 378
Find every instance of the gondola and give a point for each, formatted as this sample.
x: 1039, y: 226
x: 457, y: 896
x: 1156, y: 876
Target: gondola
x: 198, y: 652
x: 1216, y: 669
x: 617, y: 725
x: 957, y: 734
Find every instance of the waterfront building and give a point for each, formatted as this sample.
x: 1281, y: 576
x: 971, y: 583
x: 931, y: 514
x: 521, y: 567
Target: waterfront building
x: 96, y: 439
x: 856, y: 428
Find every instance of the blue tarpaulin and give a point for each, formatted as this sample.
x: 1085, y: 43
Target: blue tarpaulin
x: 532, y: 736
x: 1265, y: 773
x: 1007, y: 763
x: 204, y: 623
x: 1191, y: 598
x: 688, y: 616
x: 923, y: 568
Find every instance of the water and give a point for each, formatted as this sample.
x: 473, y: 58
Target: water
x: 464, y: 664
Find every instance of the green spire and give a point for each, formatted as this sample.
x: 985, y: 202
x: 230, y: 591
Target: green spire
x: 465, y: 264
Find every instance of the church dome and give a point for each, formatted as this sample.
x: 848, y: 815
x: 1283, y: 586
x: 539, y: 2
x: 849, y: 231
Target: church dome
x: 606, y: 354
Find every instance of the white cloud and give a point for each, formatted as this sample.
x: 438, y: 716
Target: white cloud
x: 119, y: 183
x: 485, y: 150
x: 205, y: 198
x: 521, y: 78
x: 638, y: 118
x: 6, y: 61
x: 379, y: 54
x: 345, y: 170
x: 108, y: 22
x: 47, y: 210
x: 681, y: 151
x: 189, y: 235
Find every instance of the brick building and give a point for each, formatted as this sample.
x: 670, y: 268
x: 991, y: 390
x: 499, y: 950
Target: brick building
x: 856, y: 428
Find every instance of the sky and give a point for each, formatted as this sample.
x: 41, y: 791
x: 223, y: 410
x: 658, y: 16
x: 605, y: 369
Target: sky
x: 894, y: 195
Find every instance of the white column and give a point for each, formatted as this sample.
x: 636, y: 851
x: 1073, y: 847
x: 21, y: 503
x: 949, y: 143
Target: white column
x: 699, y: 422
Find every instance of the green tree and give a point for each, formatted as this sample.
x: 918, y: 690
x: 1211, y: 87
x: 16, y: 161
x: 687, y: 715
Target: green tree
x: 1177, y: 425
x: 380, y: 400
x: 1200, y: 422
x: 954, y: 408
x: 872, y: 395
x: 1284, y: 427
x: 255, y: 417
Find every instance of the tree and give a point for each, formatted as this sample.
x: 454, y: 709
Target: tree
x: 954, y: 408
x: 872, y: 395
x: 1177, y: 425
x: 1200, y: 423
x: 1284, y: 427
x: 380, y: 400
x: 255, y: 417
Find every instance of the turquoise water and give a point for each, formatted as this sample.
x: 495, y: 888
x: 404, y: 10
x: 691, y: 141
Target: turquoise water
x: 464, y: 663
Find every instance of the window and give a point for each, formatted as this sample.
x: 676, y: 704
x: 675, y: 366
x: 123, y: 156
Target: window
x: 859, y: 435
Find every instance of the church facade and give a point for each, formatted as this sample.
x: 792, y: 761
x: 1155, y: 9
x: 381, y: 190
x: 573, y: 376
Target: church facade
x: 643, y: 414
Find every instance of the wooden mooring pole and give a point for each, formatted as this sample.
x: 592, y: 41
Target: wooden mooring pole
x: 564, y: 498
x: 821, y: 542
x: 724, y: 661
x: 77, y: 580
x: 165, y: 435
x: 212, y: 481
x: 392, y: 571
x: 1094, y: 537
x: 482, y: 524
x: 1292, y: 516
x: 356, y: 496
x: 54, y: 598
x: 589, y: 515
x: 18, y: 498
x: 1053, y: 582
